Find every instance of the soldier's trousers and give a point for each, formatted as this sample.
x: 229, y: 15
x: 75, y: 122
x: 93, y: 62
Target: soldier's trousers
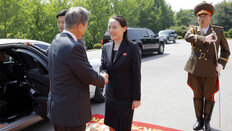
x: 203, y: 87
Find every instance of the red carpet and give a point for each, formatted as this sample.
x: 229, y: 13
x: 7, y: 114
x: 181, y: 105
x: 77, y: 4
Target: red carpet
x: 97, y: 124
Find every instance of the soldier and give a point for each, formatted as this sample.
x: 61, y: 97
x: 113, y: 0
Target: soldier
x: 203, y: 65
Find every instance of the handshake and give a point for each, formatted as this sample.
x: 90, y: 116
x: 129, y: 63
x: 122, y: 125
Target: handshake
x: 105, y: 76
x: 211, y: 38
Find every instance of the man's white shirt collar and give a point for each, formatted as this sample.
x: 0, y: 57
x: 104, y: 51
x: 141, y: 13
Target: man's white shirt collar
x: 70, y: 33
x: 205, y: 29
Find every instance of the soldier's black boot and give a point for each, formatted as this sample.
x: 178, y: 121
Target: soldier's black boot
x: 199, y: 124
x: 198, y: 104
x: 208, y: 110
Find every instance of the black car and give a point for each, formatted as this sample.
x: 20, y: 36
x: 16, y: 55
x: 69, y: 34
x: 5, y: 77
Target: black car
x: 147, y: 40
x: 168, y: 35
x: 24, y: 84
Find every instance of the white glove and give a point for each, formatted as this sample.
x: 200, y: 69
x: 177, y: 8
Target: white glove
x: 209, y: 38
x: 219, y: 67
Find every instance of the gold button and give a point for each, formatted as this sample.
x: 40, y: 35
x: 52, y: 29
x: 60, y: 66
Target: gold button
x: 207, y: 51
x: 205, y: 58
x: 200, y: 50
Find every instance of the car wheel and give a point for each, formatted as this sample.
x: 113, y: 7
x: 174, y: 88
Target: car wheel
x: 99, y: 96
x: 161, y: 49
x: 174, y: 41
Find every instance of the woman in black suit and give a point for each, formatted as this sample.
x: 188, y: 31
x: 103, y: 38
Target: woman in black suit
x: 121, y: 60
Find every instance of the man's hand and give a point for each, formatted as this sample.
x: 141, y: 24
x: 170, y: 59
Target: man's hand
x: 28, y: 43
x: 211, y: 38
x: 219, y: 68
x: 135, y: 104
x: 105, y: 76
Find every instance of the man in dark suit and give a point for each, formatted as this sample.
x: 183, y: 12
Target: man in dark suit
x: 203, y: 65
x: 70, y: 74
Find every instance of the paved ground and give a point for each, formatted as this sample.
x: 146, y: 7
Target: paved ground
x: 166, y: 98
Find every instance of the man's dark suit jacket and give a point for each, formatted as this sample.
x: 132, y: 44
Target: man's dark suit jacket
x: 70, y: 74
x: 124, y: 71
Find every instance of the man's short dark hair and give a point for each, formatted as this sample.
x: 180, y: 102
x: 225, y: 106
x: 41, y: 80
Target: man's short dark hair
x: 61, y: 13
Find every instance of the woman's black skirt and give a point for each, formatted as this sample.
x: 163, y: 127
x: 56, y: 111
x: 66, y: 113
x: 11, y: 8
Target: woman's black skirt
x: 119, y: 114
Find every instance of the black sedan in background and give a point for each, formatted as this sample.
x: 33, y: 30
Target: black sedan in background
x: 147, y: 40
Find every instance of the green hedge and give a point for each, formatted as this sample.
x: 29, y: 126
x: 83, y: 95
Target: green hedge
x: 229, y: 33
x: 180, y: 30
x: 97, y: 46
x: 226, y: 33
x: 180, y: 37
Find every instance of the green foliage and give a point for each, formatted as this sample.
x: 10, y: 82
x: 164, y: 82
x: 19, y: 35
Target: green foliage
x: 97, y: 46
x: 36, y: 19
x: 185, y: 17
x: 180, y: 30
x: 226, y: 33
x: 179, y: 37
x: 155, y: 15
x: 223, y: 15
x: 230, y: 33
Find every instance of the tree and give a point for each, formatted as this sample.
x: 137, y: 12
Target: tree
x: 36, y: 19
x: 155, y: 15
x: 223, y: 15
x: 185, y: 17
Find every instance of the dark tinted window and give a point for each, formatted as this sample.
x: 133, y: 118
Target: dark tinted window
x: 151, y: 34
x: 133, y: 34
x: 173, y: 32
x: 137, y: 34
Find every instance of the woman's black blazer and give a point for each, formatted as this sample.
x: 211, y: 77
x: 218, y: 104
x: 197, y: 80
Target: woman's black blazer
x: 124, y: 70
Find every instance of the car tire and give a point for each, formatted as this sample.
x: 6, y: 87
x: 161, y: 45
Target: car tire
x: 99, y: 96
x: 161, y: 49
x: 174, y: 41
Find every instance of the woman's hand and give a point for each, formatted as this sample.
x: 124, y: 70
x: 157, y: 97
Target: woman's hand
x: 105, y: 76
x: 135, y: 104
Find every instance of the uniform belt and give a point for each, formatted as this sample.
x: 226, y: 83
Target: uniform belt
x: 202, y: 55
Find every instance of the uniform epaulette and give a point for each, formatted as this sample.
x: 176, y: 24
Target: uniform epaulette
x: 217, y: 26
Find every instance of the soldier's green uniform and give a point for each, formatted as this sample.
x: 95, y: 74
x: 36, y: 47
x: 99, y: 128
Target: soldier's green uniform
x: 201, y: 66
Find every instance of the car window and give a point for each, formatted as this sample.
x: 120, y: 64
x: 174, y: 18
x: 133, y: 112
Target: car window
x: 151, y: 34
x: 163, y: 33
x: 133, y: 34
x: 173, y: 33
x: 144, y: 33
x: 9, y: 58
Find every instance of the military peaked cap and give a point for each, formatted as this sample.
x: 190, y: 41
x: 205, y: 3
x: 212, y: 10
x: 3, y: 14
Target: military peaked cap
x: 204, y: 8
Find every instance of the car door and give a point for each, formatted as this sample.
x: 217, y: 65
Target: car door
x: 145, y: 39
x: 154, y: 43
x: 171, y: 36
x: 37, y: 77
